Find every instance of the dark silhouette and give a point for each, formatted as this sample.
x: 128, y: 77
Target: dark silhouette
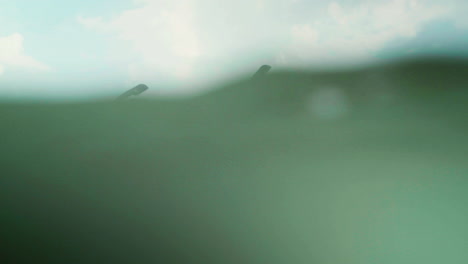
x: 262, y: 71
x: 134, y: 91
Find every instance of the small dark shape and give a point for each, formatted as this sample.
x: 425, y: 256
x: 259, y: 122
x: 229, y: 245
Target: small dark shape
x: 262, y: 71
x: 134, y: 91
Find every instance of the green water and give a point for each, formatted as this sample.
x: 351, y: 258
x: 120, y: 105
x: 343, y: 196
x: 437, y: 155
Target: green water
x: 365, y: 166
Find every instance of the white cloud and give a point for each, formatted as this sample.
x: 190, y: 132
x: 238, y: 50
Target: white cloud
x: 356, y: 32
x: 459, y: 12
x: 184, y: 39
x: 162, y: 35
x: 305, y: 33
x: 188, y: 38
x: 92, y: 22
x: 12, y: 55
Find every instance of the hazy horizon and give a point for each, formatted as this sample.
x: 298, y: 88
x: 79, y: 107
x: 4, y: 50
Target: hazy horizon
x: 86, y: 49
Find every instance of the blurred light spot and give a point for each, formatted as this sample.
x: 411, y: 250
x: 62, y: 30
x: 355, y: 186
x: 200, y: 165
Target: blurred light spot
x: 328, y: 103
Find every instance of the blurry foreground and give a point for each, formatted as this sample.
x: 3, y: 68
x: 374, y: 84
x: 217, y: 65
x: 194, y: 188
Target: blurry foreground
x: 348, y: 167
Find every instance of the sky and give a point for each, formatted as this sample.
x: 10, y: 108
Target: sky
x: 85, y: 48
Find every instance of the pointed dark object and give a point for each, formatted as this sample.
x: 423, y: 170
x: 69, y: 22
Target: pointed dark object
x: 134, y: 91
x: 262, y: 71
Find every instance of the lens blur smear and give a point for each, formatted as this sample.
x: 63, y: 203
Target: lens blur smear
x: 129, y: 135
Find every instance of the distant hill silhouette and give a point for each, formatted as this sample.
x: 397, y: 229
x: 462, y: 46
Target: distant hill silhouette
x: 288, y: 92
